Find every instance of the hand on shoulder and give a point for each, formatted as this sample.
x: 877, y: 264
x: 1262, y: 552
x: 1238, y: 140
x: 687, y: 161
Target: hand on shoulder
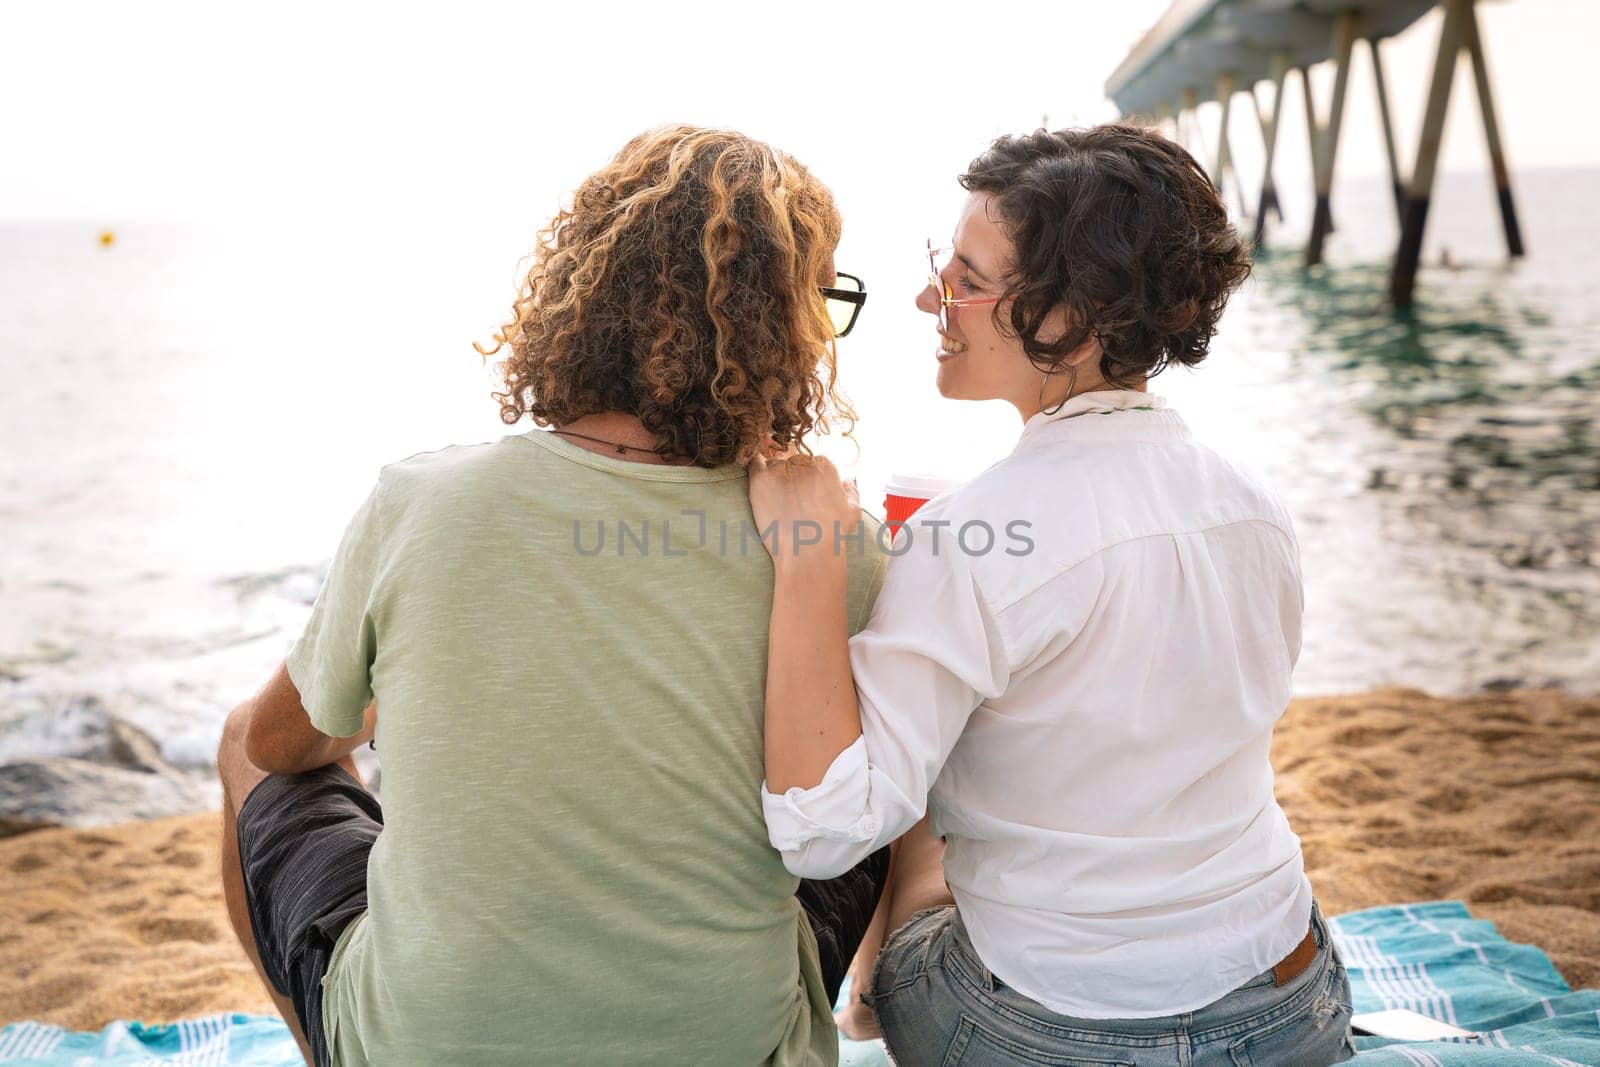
x: 799, y: 502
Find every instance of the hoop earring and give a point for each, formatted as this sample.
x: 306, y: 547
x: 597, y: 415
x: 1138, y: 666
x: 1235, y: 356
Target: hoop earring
x: 1072, y: 383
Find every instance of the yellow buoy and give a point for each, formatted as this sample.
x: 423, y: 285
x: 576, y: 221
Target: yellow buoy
x: 107, y: 239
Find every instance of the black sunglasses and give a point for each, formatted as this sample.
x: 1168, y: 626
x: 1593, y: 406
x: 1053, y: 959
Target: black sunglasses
x: 844, y: 301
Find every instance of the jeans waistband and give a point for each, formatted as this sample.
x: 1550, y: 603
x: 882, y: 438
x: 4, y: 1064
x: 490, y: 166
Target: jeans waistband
x: 965, y: 959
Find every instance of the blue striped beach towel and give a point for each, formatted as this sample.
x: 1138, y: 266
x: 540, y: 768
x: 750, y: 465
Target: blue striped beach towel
x: 1430, y: 958
x: 206, y: 1041
x: 1437, y: 960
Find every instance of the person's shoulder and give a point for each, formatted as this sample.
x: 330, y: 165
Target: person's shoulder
x: 866, y: 563
x: 452, y: 465
x: 1244, y: 488
x: 449, y: 479
x: 448, y: 460
x: 983, y: 523
x: 874, y: 537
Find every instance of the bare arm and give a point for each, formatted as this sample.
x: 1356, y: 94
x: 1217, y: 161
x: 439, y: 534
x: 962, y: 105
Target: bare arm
x: 281, y: 739
x: 811, y: 714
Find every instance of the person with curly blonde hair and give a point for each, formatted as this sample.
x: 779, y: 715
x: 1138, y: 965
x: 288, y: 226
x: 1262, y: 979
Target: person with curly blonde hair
x: 566, y: 631
x: 681, y: 289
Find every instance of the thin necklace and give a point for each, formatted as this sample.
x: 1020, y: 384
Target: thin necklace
x: 620, y: 447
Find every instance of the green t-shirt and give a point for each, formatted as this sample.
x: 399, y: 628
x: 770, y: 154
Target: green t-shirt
x: 569, y: 657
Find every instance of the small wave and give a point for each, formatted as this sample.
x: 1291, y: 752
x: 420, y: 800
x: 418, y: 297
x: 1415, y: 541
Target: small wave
x: 299, y: 583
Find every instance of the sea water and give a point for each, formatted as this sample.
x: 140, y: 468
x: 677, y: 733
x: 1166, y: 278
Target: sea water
x: 189, y: 415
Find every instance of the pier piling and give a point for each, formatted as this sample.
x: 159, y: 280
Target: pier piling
x: 1402, y: 283
x: 1344, y: 39
x: 1196, y: 141
x: 1225, y: 87
x: 1309, y: 98
x: 1261, y: 121
x: 1381, y: 84
x: 1269, y: 134
x: 1491, y: 131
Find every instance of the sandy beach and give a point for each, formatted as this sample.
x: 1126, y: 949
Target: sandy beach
x: 1398, y: 796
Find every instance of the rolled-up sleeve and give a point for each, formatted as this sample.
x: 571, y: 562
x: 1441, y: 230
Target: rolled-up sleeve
x: 931, y: 652
x: 331, y: 663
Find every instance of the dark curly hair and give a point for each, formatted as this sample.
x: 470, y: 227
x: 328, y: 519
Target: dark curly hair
x: 1121, y: 228
x: 681, y: 286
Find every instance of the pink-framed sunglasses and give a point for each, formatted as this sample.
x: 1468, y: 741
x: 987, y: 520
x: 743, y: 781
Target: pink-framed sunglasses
x: 947, y: 296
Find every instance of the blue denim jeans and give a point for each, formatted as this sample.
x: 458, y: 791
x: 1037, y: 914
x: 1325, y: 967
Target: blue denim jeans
x: 939, y: 1007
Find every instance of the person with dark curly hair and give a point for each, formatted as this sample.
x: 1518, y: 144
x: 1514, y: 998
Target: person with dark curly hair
x: 1070, y: 722
x: 566, y: 632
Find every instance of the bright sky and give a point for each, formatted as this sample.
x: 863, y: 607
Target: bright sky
x: 220, y: 111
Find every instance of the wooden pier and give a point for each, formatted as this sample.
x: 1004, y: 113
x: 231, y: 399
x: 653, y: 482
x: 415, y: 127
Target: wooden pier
x: 1212, y: 50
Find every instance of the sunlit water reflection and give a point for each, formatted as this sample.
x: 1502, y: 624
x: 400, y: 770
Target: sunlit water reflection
x: 190, y: 417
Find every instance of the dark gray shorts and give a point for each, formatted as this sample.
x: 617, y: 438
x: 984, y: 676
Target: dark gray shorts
x: 303, y: 844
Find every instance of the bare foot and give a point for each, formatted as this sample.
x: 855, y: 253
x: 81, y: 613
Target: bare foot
x: 858, y: 1022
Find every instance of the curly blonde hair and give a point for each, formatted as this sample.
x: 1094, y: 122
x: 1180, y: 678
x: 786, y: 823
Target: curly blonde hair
x: 681, y: 286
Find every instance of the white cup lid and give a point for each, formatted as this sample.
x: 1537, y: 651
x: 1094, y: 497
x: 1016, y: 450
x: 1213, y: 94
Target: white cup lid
x: 919, y: 486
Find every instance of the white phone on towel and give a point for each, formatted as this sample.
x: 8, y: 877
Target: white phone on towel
x: 1404, y: 1025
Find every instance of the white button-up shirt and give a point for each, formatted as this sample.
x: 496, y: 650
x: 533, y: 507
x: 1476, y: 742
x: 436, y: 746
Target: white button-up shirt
x: 1086, y: 708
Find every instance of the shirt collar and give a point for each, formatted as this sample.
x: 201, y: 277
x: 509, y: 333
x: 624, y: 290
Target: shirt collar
x: 1101, y: 401
x: 1082, y: 411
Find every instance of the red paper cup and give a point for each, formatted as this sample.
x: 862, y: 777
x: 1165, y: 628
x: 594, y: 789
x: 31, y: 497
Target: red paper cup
x: 905, y: 493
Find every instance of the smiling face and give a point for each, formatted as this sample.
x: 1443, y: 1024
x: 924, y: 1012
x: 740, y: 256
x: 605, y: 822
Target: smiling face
x: 977, y: 360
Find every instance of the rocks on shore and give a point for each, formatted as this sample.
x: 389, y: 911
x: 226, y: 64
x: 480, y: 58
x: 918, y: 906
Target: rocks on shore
x: 100, y: 770
x: 61, y: 791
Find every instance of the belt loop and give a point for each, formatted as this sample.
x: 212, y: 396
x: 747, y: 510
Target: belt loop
x: 988, y: 977
x: 964, y: 946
